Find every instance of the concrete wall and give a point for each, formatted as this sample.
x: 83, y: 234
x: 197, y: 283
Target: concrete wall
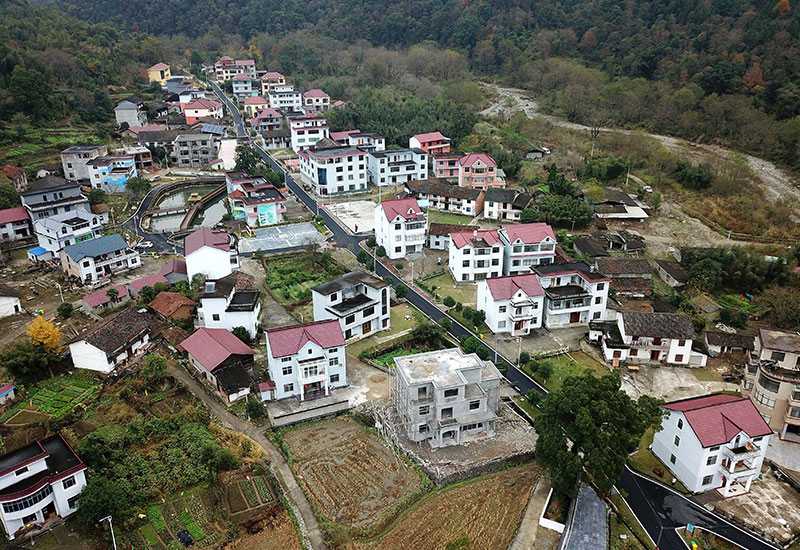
x: 9, y: 305
x: 86, y: 356
x: 211, y: 262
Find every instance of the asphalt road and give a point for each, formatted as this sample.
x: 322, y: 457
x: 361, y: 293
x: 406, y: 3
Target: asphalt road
x: 238, y: 123
x: 159, y: 240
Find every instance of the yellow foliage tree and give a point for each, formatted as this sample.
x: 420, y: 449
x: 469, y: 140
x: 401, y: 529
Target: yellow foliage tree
x: 44, y: 333
x: 254, y: 53
x: 782, y: 7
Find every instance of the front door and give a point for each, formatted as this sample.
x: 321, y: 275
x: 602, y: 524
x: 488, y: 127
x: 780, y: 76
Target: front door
x: 654, y: 355
x: 366, y: 327
x: 575, y: 317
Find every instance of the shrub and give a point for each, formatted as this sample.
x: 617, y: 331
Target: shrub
x: 65, y: 310
x: 449, y: 301
x: 483, y: 352
x: 524, y: 357
x: 362, y: 256
x: 733, y: 317
x: 381, y: 252
x: 399, y: 266
x: 459, y: 306
x: 371, y: 242
x: 545, y: 370
x: 255, y: 409
x: 242, y: 334
x: 445, y: 323
x: 401, y: 291
x: 533, y: 397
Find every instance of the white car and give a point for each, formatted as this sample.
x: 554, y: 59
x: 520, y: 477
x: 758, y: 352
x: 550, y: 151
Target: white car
x: 546, y: 150
x: 155, y: 178
x: 145, y: 244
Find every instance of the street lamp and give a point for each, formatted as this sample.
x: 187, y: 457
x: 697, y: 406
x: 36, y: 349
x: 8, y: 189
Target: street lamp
x: 113, y: 538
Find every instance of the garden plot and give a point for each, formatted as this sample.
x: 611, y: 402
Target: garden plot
x: 277, y: 533
x: 487, y: 511
x: 192, y: 511
x: 291, y: 277
x: 53, y: 398
x: 354, y: 477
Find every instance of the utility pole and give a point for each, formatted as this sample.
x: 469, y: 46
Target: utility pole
x: 113, y: 538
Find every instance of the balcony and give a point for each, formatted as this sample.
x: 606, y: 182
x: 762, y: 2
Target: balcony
x: 563, y: 306
x: 443, y: 422
x: 312, y: 370
x: 740, y: 469
x: 567, y: 291
x: 650, y: 344
x: 748, y: 451
x: 521, y: 302
x: 521, y: 316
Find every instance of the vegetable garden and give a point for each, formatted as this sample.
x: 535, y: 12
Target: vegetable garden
x: 291, y: 277
x: 53, y: 398
x: 190, y: 512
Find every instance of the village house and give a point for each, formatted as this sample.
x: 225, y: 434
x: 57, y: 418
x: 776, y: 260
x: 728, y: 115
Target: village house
x: 772, y: 380
x: 74, y: 160
x: 131, y: 111
x: 632, y: 277
x: 513, y: 304
x: 97, y: 258
x: 307, y: 361
x: 9, y: 301
x: 172, y: 306
x: 446, y: 197
x: 50, y: 196
x: 445, y: 165
x: 111, y: 174
x: 222, y: 360
x: 480, y: 171
x: 713, y: 442
x: 641, y: 337
x: 277, y: 139
x: 672, y: 273
x: 16, y: 176
x: 270, y: 80
x: 229, y: 302
x: 505, y: 204
x: 618, y: 205
x: 266, y: 120
x: 526, y: 246
x: 475, y: 255
x: 112, y: 342
x: 432, y: 143
x: 574, y: 293
x: 39, y: 482
x: 254, y: 200
x: 366, y: 141
x: 723, y: 343
x: 285, y: 98
x: 202, y: 108
x: 56, y: 232
x: 393, y: 166
x: 626, y: 241
x: 194, y: 150
x: 400, y: 226
x: 357, y: 300
x: 15, y: 223
x: 142, y: 156
x: 174, y: 270
x: 7, y: 393
x: 446, y: 397
x: 316, y: 99
x: 211, y: 253
x: 107, y: 296
x: 254, y: 104
x: 188, y: 95
x: 590, y: 248
x: 439, y: 234
x: 164, y: 139
x: 306, y: 131
x: 334, y: 170
x: 226, y: 68
x: 245, y: 86
x: 159, y: 73
x: 136, y: 286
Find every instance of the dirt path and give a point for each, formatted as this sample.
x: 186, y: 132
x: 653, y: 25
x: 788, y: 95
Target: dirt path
x: 529, y: 526
x: 778, y: 183
x: 302, y: 509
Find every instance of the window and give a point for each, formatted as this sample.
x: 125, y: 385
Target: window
x: 349, y: 319
x: 681, y: 342
x: 288, y: 388
x: 474, y: 405
x: 601, y: 286
x: 465, y: 263
x: 215, y: 316
x: 466, y: 251
x: 501, y: 324
x: 72, y: 502
x: 23, y: 503
x: 425, y: 409
x: 767, y: 384
x: 334, y: 296
x: 598, y: 299
x: 677, y: 441
x: 423, y: 428
x: 287, y: 370
x: 711, y: 460
x: 768, y: 402
x: 451, y: 393
x: 334, y: 378
x: 447, y: 413
x: 333, y: 361
x: 708, y: 479
x: 680, y: 423
x: 679, y: 358
x: 21, y: 471
x: 672, y: 459
x: 778, y: 356
x: 757, y: 439
x: 714, y: 448
x: 285, y: 359
x: 597, y: 314
x: 502, y: 309
x: 68, y: 482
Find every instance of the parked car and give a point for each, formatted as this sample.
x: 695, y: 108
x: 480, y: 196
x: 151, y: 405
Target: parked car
x: 145, y: 244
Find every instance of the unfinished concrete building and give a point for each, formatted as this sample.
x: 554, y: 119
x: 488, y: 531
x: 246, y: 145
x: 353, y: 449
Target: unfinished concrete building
x: 446, y: 397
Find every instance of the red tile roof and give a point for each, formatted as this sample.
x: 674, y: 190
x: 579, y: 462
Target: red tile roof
x: 203, y: 103
x: 315, y: 92
x: 206, y: 237
x: 211, y: 346
x: 149, y: 280
x: 272, y: 74
x: 463, y: 238
x: 241, y: 76
x: 173, y: 305
x: 342, y: 136
x: 472, y: 158
x: 175, y: 265
x: 100, y: 208
x: 268, y: 113
x: 529, y: 233
x: 148, y: 128
x: 716, y: 419
x: 242, y: 62
x: 158, y: 67
x: 266, y: 386
x: 503, y: 288
x: 12, y: 171
x: 430, y: 136
x: 16, y: 214
x: 100, y: 297
x: 289, y: 340
x: 255, y: 100
x: 401, y: 207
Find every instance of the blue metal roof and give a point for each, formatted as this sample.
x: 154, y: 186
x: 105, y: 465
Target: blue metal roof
x: 38, y: 251
x: 96, y: 247
x: 215, y: 129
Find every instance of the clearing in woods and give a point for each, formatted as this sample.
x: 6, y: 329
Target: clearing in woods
x: 353, y: 476
x: 487, y: 510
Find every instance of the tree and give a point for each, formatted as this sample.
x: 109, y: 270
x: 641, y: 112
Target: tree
x: 564, y: 211
x: 478, y: 317
x: 401, y: 291
x: 362, y: 256
x: 112, y: 294
x: 428, y: 334
x: 242, y: 334
x: 590, y: 425
x: 783, y: 305
x: 533, y: 397
x: 470, y: 344
x: 529, y: 215
x: 254, y: 409
x: 371, y: 242
x: 381, y: 252
x: 445, y: 323
x: 449, y: 301
x: 544, y: 370
x: 27, y: 362
x: 154, y: 369
x: 137, y: 188
x: 147, y: 294
x: 524, y: 358
x: 247, y: 159
x: 96, y: 196
x: 45, y: 334
x: 65, y: 309
x: 101, y: 497
x: 9, y: 198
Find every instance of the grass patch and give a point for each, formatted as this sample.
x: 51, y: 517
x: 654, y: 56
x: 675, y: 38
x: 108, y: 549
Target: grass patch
x: 149, y: 534
x: 387, y: 359
x: 397, y: 325
x: 704, y: 374
x: 567, y: 365
x: 155, y: 518
x: 449, y: 217
x: 445, y: 286
x: 625, y: 515
x: 523, y: 403
x: 291, y: 277
x: 644, y: 461
x: 706, y: 540
x: 618, y: 529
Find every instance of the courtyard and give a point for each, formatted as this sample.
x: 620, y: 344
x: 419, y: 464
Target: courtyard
x: 357, y: 216
x: 268, y: 239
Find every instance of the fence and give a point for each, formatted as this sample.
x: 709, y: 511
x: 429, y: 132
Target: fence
x: 734, y: 235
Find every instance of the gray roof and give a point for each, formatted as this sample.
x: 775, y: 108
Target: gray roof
x: 81, y: 148
x: 350, y: 279
x: 193, y: 137
x: 743, y: 341
x: 65, y: 218
x: 126, y: 105
x: 442, y: 188
x: 494, y: 194
x: 159, y: 135
x: 114, y: 334
x: 674, y: 270
x: 96, y: 247
x: 624, y: 266
x: 590, y: 247
x: 658, y: 325
x: 6, y: 290
x: 48, y: 183
x: 589, y: 530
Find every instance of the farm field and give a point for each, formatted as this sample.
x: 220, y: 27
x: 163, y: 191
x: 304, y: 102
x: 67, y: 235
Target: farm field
x: 278, y: 534
x: 54, y: 398
x: 192, y: 511
x: 353, y: 477
x: 486, y: 510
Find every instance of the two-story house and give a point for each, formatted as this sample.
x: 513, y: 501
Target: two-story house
x: 222, y: 360
x: 212, y: 253
x: 75, y: 158
x: 446, y: 397
x: 357, y: 300
x: 513, y: 304
x: 772, y: 380
x: 111, y: 173
x: 475, y: 255
x: 285, y: 98
x: 480, y: 171
x: 38, y: 482
x: 307, y: 131
x: 245, y: 86
x: 400, y: 226
x: 316, y: 99
x: 641, y: 337
x: 270, y: 80
x: 393, y: 166
x: 432, y: 143
x: 15, y: 223
x: 307, y: 361
x: 254, y: 104
x: 131, y: 112
x: 51, y: 195
x: 574, y: 293
x: 439, y: 234
x: 159, y: 74
x: 16, y: 176
x: 112, y: 342
x: 194, y: 150
x: 505, y: 204
x: 713, y: 442
x: 97, y: 258
x: 56, y: 232
x: 334, y: 170
x: 526, y: 246
x: 446, y: 197
x: 202, y: 108
x: 229, y: 302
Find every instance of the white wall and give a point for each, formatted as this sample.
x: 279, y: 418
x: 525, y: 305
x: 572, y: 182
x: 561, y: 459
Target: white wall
x: 212, y: 262
x: 86, y: 356
x: 227, y: 319
x: 9, y: 305
x: 276, y: 368
x: 457, y: 257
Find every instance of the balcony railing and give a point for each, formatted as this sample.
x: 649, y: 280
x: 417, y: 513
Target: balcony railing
x: 744, y: 452
x: 519, y: 316
x: 650, y: 344
x: 740, y: 470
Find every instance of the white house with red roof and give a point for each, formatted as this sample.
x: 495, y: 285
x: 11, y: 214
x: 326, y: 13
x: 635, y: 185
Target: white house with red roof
x: 400, y: 227
x: 316, y: 99
x: 513, y: 304
x: 334, y: 170
x: 432, y: 143
x: 202, y: 108
x: 227, y: 67
x: 713, y: 442
x: 209, y: 252
x: 475, y: 255
x: 223, y: 360
x: 269, y: 80
x: 14, y: 224
x: 306, y: 131
x: 575, y: 293
x: 266, y: 120
x: 480, y: 171
x: 253, y: 104
x: 527, y: 245
x: 307, y: 361
x: 285, y: 98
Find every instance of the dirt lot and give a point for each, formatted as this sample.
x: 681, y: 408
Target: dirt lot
x: 354, y: 477
x: 487, y: 510
x: 669, y: 383
x: 277, y: 533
